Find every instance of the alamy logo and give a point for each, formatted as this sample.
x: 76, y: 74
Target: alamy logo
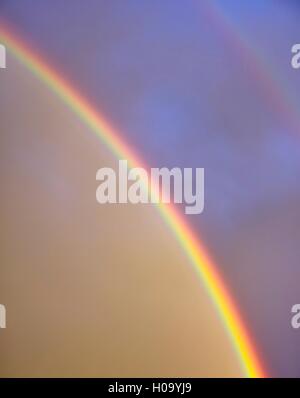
x: 2, y: 317
x: 136, y: 185
x: 2, y: 56
x: 296, y: 57
x: 296, y: 317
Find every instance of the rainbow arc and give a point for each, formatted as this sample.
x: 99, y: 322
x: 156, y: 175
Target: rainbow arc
x: 189, y: 242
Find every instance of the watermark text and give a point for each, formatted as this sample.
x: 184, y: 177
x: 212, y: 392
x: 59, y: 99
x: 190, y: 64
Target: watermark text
x: 135, y: 185
x: 2, y: 56
x: 295, y: 62
x: 296, y: 316
x: 2, y: 316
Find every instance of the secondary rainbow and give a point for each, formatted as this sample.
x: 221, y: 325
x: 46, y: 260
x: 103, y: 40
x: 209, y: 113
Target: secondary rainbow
x: 280, y: 101
x: 192, y: 246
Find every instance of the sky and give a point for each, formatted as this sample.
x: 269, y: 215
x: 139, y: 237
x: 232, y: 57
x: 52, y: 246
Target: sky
x: 199, y: 84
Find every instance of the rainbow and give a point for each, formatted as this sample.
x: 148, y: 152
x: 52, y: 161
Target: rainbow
x: 192, y: 246
x: 279, y: 99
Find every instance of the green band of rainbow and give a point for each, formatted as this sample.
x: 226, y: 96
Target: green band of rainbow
x: 191, y: 245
